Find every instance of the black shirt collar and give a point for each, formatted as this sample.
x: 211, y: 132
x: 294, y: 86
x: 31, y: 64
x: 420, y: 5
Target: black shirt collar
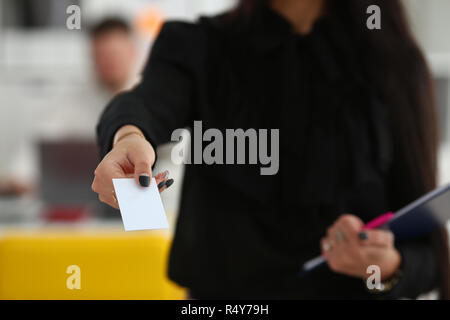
x: 268, y: 29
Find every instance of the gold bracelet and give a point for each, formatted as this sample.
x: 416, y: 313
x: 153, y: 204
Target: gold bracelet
x: 128, y: 134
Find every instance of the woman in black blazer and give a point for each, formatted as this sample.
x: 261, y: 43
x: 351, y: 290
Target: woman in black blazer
x: 357, y: 134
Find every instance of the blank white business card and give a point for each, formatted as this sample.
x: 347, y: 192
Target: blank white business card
x: 141, y: 207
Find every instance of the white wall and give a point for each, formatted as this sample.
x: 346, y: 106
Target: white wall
x: 431, y: 23
x: 430, y: 20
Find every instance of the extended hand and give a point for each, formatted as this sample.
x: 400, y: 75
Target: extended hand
x: 131, y: 157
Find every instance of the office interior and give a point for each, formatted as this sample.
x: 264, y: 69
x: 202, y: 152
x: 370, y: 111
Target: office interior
x: 50, y: 101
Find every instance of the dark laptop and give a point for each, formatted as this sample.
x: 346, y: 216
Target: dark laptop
x: 67, y: 170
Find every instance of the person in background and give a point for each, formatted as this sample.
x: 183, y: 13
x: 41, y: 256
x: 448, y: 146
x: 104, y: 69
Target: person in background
x: 74, y: 114
x: 14, y: 188
x: 113, y: 60
x: 113, y: 53
x: 358, y: 137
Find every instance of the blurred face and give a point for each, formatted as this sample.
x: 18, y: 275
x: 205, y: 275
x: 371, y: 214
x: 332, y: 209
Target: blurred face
x: 113, y: 54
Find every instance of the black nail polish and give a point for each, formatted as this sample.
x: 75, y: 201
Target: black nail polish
x: 363, y: 235
x: 144, y: 180
x: 161, y: 184
x: 169, y: 183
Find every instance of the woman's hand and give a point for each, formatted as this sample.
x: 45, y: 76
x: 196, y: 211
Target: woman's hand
x: 131, y: 156
x: 349, y: 250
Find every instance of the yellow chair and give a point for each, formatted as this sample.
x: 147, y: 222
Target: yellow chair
x: 112, y: 265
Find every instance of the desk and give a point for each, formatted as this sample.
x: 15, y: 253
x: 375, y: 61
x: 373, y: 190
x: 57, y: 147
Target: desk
x: 113, y: 264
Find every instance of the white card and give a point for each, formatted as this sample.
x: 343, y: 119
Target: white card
x: 141, y: 208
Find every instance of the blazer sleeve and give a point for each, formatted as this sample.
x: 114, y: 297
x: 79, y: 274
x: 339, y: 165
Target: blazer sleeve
x: 163, y: 100
x: 419, y: 267
x: 420, y: 260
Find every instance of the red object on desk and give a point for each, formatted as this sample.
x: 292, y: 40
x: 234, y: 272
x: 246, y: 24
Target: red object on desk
x: 59, y: 213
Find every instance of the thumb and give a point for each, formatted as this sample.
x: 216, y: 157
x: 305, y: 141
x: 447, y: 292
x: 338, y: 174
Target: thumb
x: 142, y: 156
x: 143, y: 170
x: 143, y: 173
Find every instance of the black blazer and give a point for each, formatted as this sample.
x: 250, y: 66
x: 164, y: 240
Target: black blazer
x: 243, y: 235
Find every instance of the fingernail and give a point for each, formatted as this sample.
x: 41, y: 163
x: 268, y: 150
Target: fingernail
x: 169, y: 183
x: 161, y: 184
x: 144, y: 180
x: 362, y: 235
x: 165, y: 173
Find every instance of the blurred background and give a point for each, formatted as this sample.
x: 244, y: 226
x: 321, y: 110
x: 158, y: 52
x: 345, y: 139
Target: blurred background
x: 54, y: 84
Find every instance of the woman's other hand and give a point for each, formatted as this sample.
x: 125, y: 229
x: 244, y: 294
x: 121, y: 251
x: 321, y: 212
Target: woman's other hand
x: 350, y: 250
x: 131, y: 156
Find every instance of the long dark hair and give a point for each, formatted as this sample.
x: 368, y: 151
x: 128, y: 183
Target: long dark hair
x: 397, y: 67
